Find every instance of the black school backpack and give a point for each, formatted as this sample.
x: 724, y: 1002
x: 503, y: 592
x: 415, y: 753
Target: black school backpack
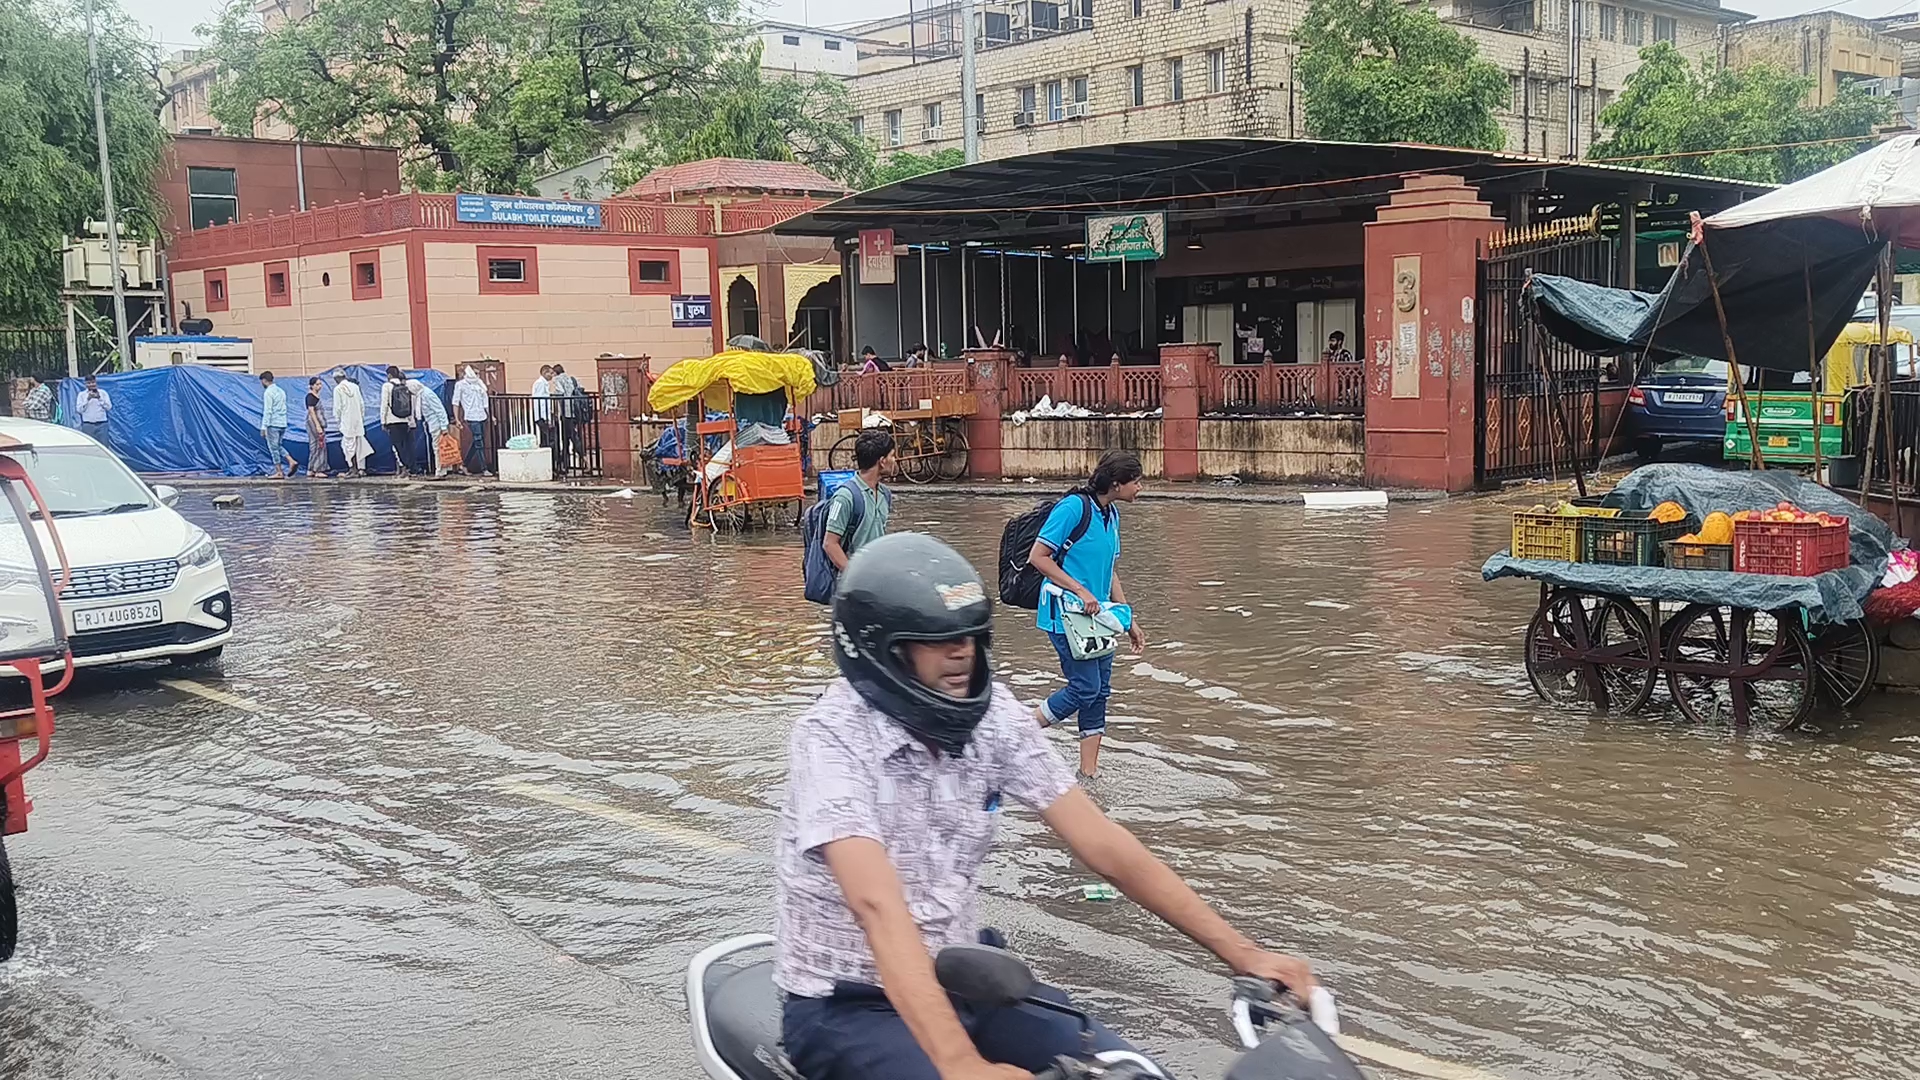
x: 819, y: 574
x: 1019, y: 581
x: 400, y: 401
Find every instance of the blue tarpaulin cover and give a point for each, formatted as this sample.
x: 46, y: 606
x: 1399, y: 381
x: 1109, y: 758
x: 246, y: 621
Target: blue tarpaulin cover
x: 1834, y: 596
x: 195, y: 419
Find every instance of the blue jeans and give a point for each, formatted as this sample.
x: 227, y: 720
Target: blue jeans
x: 1089, y: 685
x: 476, y: 461
x: 275, y: 437
x: 96, y: 432
x: 856, y: 1035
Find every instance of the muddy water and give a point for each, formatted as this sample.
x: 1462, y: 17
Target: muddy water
x: 489, y: 769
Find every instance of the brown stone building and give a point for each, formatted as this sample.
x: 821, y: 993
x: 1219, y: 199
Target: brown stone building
x: 215, y: 179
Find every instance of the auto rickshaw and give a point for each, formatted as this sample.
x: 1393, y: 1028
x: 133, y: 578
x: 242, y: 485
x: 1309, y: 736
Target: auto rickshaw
x: 750, y: 400
x: 33, y: 632
x: 1785, y: 415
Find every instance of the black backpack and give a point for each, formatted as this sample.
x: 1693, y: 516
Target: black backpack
x: 1019, y: 581
x: 400, y: 401
x: 819, y: 574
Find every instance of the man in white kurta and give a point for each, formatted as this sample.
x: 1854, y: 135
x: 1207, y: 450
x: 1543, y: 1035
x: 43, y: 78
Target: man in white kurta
x: 350, y: 410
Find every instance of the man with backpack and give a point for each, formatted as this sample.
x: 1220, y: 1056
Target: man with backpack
x: 849, y: 519
x: 399, y: 415
x: 1075, y: 556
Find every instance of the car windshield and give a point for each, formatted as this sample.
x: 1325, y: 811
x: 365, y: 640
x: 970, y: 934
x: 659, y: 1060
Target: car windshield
x: 1694, y: 365
x: 83, y: 481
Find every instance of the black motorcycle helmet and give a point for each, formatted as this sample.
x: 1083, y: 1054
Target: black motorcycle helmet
x: 910, y: 587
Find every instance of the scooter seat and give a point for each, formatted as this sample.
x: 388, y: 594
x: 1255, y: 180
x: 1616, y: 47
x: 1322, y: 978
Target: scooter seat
x: 743, y: 1017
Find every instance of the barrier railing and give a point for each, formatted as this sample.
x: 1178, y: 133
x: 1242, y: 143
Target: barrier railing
x: 888, y: 389
x: 1286, y: 388
x: 389, y: 213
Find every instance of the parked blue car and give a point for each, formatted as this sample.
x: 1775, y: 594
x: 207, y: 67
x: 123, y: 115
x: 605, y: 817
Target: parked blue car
x: 1683, y: 400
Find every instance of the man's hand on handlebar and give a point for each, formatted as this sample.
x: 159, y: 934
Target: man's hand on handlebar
x: 1289, y: 971
x: 981, y: 1069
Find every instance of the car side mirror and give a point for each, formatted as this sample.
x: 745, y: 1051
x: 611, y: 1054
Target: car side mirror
x: 983, y: 975
x: 167, y: 494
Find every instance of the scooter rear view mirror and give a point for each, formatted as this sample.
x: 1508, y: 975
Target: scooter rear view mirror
x: 983, y: 975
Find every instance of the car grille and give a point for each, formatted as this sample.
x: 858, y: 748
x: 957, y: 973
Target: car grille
x: 125, y: 579
x: 103, y: 642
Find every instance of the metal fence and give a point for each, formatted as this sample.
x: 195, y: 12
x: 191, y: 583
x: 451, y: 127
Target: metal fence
x: 1901, y: 464
x: 568, y: 427
x: 39, y: 353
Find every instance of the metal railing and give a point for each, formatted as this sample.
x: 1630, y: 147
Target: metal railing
x: 567, y: 427
x: 900, y: 389
x: 1270, y: 388
x: 1902, y: 465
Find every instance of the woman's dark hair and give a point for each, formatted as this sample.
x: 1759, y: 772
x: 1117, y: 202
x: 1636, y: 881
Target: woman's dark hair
x: 872, y: 445
x: 1116, y: 467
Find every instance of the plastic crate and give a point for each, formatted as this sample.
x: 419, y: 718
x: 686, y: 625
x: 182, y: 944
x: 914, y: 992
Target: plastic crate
x: 832, y: 480
x: 1630, y: 540
x: 1554, y: 537
x: 1698, y: 556
x: 1791, y: 548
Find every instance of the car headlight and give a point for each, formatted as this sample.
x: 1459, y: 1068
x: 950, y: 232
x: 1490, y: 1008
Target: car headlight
x: 203, y: 552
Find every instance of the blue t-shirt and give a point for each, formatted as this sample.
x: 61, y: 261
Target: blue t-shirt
x: 1089, y: 561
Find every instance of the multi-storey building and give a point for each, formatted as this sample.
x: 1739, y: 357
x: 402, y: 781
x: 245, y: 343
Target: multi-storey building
x: 1053, y: 75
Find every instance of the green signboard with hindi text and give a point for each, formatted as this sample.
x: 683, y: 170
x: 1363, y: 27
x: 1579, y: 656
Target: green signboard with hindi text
x: 1126, y: 237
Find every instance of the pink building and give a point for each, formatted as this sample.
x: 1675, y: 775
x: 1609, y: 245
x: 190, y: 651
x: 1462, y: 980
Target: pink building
x: 435, y: 280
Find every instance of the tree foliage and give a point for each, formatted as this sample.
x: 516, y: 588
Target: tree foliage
x: 1386, y: 71
x: 482, y: 95
x: 741, y: 113
x: 1670, y: 107
x: 903, y: 165
x: 50, y: 182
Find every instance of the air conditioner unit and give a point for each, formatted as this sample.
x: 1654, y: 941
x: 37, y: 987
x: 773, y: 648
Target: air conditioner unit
x: 1023, y: 119
x: 980, y: 124
x: 195, y: 129
x: 1076, y: 110
x: 1076, y: 22
x: 933, y: 133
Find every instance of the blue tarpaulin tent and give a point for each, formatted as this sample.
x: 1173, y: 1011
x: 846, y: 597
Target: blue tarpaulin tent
x: 192, y: 419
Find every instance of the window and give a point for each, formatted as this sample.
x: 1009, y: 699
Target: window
x: 366, y: 275
x: 1663, y: 28
x: 213, y: 197
x: 1025, y: 114
x: 278, y: 284
x: 1080, y: 91
x: 1176, y: 5
x: 1137, y: 85
x: 1217, y: 71
x: 1636, y: 30
x: 215, y: 283
x: 832, y: 44
x: 1139, y: 8
x: 1056, y: 103
x: 1609, y: 23
x: 1176, y: 79
x: 893, y: 127
x: 508, y: 271
x: 980, y: 113
x: 933, y: 114
x: 859, y: 125
x: 789, y: 39
x: 653, y: 272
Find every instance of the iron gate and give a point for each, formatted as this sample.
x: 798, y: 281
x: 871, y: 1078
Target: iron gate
x: 1538, y: 399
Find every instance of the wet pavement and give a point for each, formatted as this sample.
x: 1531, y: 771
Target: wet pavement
x: 481, y: 772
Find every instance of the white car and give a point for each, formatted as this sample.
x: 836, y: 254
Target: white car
x: 147, y: 583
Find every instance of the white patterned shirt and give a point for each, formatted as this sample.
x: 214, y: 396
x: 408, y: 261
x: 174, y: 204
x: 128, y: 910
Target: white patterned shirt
x: 852, y: 772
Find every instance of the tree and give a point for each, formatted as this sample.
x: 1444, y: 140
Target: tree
x: 740, y: 113
x: 482, y: 95
x: 905, y: 166
x: 1669, y: 107
x: 1385, y: 71
x: 50, y: 183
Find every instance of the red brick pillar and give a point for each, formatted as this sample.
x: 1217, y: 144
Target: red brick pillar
x: 1184, y: 371
x: 989, y: 373
x: 1421, y: 256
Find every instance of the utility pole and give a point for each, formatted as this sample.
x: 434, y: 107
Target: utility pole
x: 1573, y: 76
x: 969, y: 116
x: 106, y: 185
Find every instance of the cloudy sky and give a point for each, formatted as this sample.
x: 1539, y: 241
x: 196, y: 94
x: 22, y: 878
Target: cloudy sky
x: 173, y: 20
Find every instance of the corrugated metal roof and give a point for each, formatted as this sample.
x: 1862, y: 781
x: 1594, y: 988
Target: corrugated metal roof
x: 732, y: 174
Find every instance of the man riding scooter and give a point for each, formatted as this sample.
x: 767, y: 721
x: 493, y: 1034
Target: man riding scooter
x: 896, y: 778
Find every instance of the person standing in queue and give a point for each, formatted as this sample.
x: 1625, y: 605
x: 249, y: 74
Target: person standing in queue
x: 470, y: 408
x: 542, y: 395
x: 1086, y: 578
x: 433, y: 417
x: 316, y: 431
x: 350, y: 412
x: 399, y: 417
x: 895, y: 779
x: 39, y: 403
x: 848, y: 531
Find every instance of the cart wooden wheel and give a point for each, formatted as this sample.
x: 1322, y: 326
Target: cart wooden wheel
x: 1848, y: 658
x: 1584, y: 649
x: 1740, y: 667
x: 914, y: 449
x: 952, y: 462
x: 840, y: 455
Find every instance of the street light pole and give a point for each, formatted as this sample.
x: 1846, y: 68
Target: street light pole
x: 969, y: 115
x: 106, y: 185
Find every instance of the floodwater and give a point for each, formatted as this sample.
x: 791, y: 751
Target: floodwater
x: 485, y: 770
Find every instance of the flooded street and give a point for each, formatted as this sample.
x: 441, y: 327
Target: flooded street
x: 481, y: 772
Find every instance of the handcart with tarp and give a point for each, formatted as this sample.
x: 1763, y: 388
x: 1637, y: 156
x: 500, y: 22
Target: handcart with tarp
x: 1750, y: 649
x: 33, y: 637
x: 747, y: 402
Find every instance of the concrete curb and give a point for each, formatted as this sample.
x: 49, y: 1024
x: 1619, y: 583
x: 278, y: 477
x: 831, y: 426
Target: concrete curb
x: 1248, y: 494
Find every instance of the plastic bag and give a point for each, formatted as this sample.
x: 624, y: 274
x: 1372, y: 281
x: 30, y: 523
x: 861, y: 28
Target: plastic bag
x: 522, y: 442
x: 448, y: 448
